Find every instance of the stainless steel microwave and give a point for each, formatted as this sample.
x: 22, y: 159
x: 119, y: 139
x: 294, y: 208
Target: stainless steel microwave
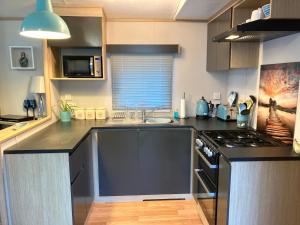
x: 82, y: 66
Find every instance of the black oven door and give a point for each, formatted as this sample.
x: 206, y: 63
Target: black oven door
x: 205, y: 193
x: 78, y: 66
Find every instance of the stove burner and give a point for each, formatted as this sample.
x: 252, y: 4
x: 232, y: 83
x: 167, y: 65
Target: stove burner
x: 229, y: 146
x: 234, y: 139
x: 253, y: 145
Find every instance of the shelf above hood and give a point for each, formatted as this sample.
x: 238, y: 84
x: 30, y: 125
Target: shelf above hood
x: 260, y: 30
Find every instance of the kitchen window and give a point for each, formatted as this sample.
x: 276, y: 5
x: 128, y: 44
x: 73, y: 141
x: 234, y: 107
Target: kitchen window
x: 142, y: 81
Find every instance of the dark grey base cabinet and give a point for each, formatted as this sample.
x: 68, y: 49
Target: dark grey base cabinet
x: 82, y: 186
x: 144, y: 161
x: 165, y: 161
x: 118, y: 162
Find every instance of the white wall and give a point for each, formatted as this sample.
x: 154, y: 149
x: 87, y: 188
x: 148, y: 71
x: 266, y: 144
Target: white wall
x: 282, y: 50
x: 190, y: 74
x: 14, y: 84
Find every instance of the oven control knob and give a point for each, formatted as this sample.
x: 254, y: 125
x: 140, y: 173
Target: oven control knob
x: 206, y: 150
x: 199, y: 143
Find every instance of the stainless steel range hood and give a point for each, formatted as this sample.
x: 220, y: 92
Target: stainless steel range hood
x: 260, y: 30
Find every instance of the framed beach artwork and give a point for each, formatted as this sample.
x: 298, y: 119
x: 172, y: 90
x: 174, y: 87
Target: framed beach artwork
x: 277, y: 100
x: 21, y: 57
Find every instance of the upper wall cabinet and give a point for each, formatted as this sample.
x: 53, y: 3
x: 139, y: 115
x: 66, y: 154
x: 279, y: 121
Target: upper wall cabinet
x: 85, y: 32
x: 224, y: 56
x: 282, y: 19
x: 218, y: 54
x: 242, y: 39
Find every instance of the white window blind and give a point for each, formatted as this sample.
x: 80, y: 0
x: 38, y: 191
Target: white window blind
x: 142, y: 81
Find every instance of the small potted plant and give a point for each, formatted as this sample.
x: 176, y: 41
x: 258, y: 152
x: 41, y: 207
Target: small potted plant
x: 65, y: 111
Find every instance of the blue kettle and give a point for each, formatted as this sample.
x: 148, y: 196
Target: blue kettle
x: 202, y: 109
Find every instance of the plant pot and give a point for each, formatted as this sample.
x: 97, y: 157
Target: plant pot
x: 65, y: 116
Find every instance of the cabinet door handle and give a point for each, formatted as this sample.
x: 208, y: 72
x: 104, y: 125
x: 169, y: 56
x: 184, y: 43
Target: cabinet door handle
x: 211, y: 194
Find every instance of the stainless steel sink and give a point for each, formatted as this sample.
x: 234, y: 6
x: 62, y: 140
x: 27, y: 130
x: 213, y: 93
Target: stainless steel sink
x: 137, y: 122
x: 158, y: 121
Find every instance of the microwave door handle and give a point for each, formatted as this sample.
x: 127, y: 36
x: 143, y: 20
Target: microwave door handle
x: 92, y: 65
x: 211, y: 194
x: 211, y: 166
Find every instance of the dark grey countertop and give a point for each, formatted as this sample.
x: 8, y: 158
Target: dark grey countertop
x: 65, y: 137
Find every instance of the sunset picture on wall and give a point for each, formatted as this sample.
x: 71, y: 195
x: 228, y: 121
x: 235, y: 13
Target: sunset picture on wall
x: 277, y: 101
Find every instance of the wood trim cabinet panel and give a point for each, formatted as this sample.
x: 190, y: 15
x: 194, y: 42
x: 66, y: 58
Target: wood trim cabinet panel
x: 218, y: 54
x: 285, y: 9
x: 42, y: 191
x: 89, y: 15
x: 225, y: 55
x: 258, y: 193
x: 39, y: 189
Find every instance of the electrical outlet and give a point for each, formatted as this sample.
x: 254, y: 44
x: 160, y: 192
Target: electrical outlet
x: 216, y: 96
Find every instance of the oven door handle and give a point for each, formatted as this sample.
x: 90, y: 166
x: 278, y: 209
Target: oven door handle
x: 210, y: 194
x: 211, y: 166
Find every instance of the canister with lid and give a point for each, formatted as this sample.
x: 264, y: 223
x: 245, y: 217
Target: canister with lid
x: 90, y: 113
x: 100, y: 113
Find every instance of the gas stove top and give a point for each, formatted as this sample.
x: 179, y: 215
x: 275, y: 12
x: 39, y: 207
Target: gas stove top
x: 234, y: 139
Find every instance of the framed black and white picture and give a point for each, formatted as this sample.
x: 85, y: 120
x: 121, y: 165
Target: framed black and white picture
x: 21, y: 57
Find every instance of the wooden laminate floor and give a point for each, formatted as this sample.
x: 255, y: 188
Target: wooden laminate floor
x: 145, y: 213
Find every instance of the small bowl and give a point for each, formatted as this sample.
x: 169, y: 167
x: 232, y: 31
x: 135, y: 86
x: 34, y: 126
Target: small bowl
x: 266, y: 9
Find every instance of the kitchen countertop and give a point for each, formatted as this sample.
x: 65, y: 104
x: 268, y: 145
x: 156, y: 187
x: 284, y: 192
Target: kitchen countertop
x: 65, y: 137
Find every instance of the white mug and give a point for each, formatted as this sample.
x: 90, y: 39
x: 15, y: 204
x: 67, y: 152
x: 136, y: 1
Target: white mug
x: 254, y: 15
x: 261, y: 14
x: 257, y: 14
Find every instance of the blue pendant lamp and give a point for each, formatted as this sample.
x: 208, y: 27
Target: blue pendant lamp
x: 44, y: 23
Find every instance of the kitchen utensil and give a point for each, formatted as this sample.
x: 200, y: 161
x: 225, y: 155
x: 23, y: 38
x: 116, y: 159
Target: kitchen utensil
x: 210, y: 109
x: 202, y: 109
x: 253, y: 99
x: 242, y: 107
x: 232, y: 98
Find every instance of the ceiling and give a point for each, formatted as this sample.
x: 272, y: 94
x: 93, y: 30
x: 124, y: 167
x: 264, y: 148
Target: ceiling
x: 200, y: 9
x: 129, y: 9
